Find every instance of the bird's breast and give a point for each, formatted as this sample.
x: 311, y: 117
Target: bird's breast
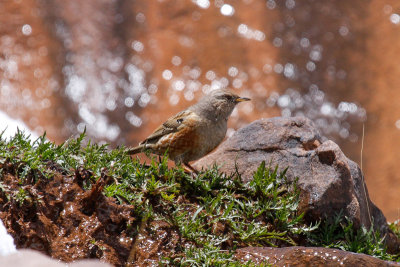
x: 211, y: 134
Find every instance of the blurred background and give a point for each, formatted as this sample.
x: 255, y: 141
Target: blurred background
x: 121, y: 67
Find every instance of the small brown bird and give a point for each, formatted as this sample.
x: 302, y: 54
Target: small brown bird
x: 194, y: 132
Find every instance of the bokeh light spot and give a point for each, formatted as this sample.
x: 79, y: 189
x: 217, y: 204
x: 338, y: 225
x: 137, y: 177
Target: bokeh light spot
x: 129, y: 102
x: 271, y: 4
x: 137, y: 46
x: 167, y: 74
x: 210, y: 75
x: 26, y: 29
x: 290, y: 4
x: 176, y: 61
x: 397, y: 124
x: 202, y: 3
x: 233, y: 71
x: 395, y: 18
x: 227, y: 10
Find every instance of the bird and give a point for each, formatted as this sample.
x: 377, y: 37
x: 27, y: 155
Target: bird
x: 194, y: 132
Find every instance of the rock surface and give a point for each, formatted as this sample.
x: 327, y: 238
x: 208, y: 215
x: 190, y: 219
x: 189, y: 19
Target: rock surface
x: 307, y: 256
x: 329, y: 181
x: 69, y: 223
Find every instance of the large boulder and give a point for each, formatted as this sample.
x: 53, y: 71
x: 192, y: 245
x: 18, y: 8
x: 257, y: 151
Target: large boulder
x: 306, y: 256
x: 329, y: 182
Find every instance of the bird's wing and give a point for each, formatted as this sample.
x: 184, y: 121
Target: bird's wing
x: 172, y: 125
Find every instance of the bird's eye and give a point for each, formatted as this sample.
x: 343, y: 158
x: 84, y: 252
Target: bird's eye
x: 229, y: 97
x: 225, y: 97
x: 179, y: 121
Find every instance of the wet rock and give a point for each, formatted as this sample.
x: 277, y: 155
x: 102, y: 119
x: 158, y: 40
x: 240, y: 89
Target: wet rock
x: 329, y: 181
x: 150, y: 246
x: 31, y: 258
x: 306, y: 256
x: 69, y: 223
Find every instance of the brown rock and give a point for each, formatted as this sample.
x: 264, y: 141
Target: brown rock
x: 306, y: 256
x: 329, y: 181
x: 69, y: 223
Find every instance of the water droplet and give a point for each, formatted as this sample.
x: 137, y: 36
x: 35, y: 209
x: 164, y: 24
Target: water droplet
x: 397, y: 124
x: 278, y: 68
x: 326, y: 109
x: 144, y: 99
x: 178, y: 85
x: 176, y: 61
x: 194, y: 73
x: 167, y: 74
x: 283, y: 101
x: 242, y: 29
x: 267, y: 68
x: 189, y: 96
x: 343, y: 30
x: 395, y: 18
x: 304, y: 42
x: 310, y: 66
x: 290, y: 4
x: 133, y: 119
x: 210, y: 75
x: 152, y: 89
x: 137, y: 46
x: 233, y: 71
x: 26, y: 29
x: 129, y: 102
x: 202, y: 3
x: 289, y: 71
x: 316, y: 53
x: 271, y: 4
x: 140, y: 17
x: 227, y: 10
x: 237, y: 83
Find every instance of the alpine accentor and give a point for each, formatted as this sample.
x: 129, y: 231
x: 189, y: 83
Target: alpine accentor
x: 194, y: 132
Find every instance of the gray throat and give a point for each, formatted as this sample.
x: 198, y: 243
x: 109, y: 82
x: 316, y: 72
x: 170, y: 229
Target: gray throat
x: 213, y: 114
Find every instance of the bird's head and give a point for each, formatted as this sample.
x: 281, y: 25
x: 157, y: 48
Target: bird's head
x: 220, y: 103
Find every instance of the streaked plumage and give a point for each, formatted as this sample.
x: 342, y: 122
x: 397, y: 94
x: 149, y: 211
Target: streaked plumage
x: 194, y: 132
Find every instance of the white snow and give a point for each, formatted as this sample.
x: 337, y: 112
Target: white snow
x: 6, y: 241
x: 10, y: 126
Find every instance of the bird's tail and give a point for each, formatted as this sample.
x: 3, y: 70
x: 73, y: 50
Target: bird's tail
x: 136, y: 150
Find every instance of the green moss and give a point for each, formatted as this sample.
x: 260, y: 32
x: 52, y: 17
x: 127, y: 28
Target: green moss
x: 339, y: 232
x: 213, y: 213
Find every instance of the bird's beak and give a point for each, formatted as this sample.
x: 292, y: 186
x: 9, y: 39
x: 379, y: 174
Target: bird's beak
x: 242, y: 99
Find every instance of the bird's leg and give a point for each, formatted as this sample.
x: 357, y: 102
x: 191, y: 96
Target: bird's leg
x: 186, y: 166
x: 192, y: 170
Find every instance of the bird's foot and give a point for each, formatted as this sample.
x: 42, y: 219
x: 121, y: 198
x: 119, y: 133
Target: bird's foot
x: 190, y: 169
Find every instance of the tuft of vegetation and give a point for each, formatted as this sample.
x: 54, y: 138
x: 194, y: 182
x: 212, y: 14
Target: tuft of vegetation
x: 222, y: 214
x: 339, y: 232
x: 212, y: 213
x: 395, y: 227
